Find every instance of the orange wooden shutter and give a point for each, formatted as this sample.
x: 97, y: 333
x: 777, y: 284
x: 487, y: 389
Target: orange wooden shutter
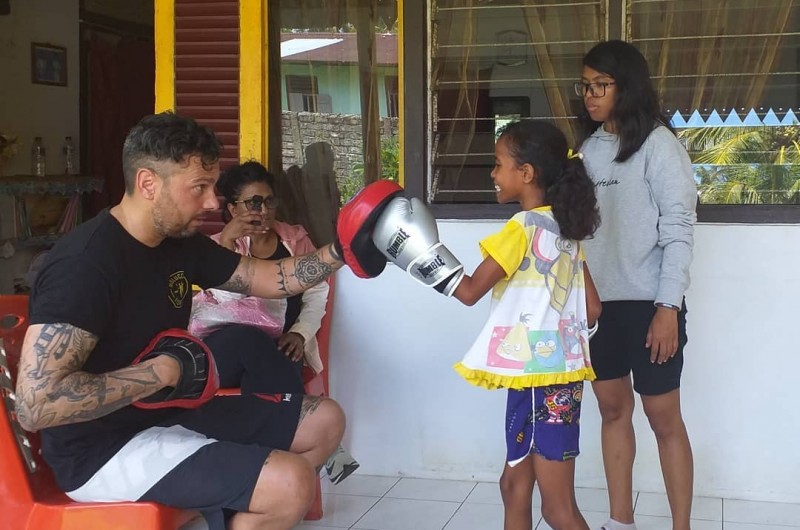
x: 207, y: 73
x: 207, y: 68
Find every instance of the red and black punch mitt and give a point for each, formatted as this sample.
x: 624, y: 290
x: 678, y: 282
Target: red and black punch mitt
x: 354, y: 227
x: 199, y: 380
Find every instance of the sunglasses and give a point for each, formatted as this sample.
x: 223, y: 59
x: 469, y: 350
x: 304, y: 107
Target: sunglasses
x: 257, y: 202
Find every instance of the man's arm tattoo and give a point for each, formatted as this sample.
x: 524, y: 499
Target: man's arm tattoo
x: 308, y: 271
x: 53, y: 390
x: 283, y: 279
x: 242, y: 278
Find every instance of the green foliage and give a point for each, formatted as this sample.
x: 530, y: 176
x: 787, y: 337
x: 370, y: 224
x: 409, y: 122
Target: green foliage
x: 390, y: 169
x: 746, y: 165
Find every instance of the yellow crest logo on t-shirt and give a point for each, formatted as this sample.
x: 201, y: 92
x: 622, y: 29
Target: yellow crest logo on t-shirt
x: 177, y: 288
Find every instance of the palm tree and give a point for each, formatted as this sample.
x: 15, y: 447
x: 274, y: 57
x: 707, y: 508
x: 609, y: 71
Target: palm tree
x: 746, y: 165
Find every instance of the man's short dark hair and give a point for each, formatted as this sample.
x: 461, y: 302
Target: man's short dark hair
x: 166, y: 136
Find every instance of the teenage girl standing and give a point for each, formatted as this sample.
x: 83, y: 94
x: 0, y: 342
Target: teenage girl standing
x: 640, y: 259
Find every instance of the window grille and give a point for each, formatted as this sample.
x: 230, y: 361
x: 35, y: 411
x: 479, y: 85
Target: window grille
x: 492, y: 62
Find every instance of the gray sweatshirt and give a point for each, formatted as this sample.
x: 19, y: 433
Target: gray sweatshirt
x: 643, y: 248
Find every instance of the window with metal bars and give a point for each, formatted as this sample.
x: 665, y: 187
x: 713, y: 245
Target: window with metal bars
x: 726, y: 71
x: 493, y: 62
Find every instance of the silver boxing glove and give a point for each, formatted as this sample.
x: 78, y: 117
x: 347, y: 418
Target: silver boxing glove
x: 406, y: 234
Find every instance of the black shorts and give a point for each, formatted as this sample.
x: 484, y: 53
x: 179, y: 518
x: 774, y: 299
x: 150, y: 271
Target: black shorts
x: 249, y: 359
x: 207, y: 459
x: 618, y: 348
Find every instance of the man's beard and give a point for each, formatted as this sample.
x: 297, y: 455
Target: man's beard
x: 163, y: 209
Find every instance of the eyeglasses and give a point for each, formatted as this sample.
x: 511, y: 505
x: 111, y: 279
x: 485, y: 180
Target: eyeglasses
x: 257, y: 202
x: 597, y: 90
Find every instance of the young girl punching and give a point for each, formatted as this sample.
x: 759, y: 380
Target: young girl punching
x: 640, y: 258
x: 536, y: 340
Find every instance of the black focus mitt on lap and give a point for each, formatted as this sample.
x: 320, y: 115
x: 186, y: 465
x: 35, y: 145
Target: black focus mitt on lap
x: 199, y: 380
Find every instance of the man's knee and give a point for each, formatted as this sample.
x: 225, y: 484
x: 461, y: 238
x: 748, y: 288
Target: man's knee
x: 301, y: 490
x: 286, y: 487
x: 337, y: 416
x: 327, y: 413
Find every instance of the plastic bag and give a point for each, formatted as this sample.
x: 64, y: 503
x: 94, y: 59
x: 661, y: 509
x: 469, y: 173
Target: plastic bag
x: 214, y: 309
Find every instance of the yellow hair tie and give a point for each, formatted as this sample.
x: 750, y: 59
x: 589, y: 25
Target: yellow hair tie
x: 574, y: 154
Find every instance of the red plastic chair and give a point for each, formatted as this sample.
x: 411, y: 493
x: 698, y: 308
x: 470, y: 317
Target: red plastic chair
x: 29, y: 496
x: 13, y: 325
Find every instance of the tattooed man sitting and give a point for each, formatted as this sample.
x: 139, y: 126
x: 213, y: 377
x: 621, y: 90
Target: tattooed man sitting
x: 96, y: 352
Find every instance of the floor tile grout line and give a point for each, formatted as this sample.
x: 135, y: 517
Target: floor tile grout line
x: 451, y: 517
x: 724, y: 517
x: 460, y: 505
x: 365, y: 513
x: 396, y: 482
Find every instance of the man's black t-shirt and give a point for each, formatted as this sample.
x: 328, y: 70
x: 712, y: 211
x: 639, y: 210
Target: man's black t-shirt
x: 101, y: 279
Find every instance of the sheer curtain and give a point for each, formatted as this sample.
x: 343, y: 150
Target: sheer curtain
x: 492, y: 62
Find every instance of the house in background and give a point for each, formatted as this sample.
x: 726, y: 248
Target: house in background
x: 321, y: 101
x: 320, y: 73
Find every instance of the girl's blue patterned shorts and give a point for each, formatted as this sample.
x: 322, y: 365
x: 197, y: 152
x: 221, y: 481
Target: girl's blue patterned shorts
x: 544, y: 421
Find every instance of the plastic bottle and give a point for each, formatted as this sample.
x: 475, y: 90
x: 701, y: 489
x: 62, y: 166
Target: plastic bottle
x: 69, y: 156
x: 38, y: 158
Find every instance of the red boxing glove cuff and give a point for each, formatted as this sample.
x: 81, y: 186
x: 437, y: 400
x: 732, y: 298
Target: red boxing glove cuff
x: 354, y: 228
x: 199, y: 380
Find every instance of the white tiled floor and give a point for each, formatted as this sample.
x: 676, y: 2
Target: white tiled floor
x: 366, y: 502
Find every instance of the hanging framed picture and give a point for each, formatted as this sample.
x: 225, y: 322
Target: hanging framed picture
x: 48, y: 64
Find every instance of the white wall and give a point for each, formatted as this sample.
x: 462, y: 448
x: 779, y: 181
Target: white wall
x: 394, y: 342
x: 30, y: 110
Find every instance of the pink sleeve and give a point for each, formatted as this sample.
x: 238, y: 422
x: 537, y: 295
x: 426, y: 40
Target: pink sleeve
x: 304, y: 246
x: 241, y: 244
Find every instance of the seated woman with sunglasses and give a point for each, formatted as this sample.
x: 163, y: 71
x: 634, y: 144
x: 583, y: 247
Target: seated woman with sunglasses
x: 266, y: 365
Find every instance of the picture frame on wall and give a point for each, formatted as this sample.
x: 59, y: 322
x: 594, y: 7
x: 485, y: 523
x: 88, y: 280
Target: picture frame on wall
x: 48, y: 64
